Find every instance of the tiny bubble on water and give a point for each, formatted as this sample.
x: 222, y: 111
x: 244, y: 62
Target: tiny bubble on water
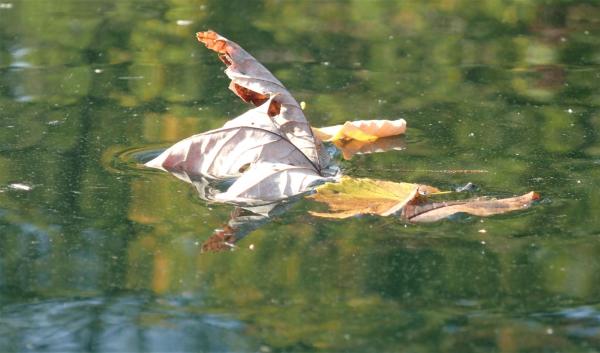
x: 184, y: 22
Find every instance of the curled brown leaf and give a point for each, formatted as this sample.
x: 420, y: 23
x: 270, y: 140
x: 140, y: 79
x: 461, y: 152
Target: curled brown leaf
x: 255, y: 84
x: 431, y: 212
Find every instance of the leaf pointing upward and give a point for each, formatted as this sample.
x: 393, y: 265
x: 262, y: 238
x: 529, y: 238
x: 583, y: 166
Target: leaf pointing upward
x: 270, y: 149
x: 253, y: 83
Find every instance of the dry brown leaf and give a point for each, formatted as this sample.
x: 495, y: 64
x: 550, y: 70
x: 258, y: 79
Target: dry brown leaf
x: 265, y: 183
x: 253, y: 83
x: 479, y: 207
x: 227, y: 152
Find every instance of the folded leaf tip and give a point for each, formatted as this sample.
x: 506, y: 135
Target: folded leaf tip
x: 213, y: 41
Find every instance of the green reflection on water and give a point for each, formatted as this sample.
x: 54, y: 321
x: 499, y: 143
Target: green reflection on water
x: 102, y: 255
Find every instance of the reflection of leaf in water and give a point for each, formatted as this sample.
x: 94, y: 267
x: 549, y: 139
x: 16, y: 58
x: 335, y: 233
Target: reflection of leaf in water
x: 353, y: 196
x: 221, y: 240
x: 361, y: 130
x: 242, y: 222
x: 483, y: 207
x: 349, y: 148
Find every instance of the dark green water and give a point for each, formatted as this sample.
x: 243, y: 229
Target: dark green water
x: 98, y: 254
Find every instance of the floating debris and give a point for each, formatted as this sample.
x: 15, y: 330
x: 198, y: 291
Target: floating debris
x: 6, y: 5
x: 184, y: 22
x: 20, y: 187
x: 130, y: 78
x: 469, y: 187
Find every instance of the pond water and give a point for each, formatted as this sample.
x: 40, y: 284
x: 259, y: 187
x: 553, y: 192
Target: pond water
x: 100, y: 254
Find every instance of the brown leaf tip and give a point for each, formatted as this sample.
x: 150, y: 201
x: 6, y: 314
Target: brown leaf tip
x: 213, y: 41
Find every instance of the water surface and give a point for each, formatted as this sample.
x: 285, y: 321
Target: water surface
x: 99, y: 254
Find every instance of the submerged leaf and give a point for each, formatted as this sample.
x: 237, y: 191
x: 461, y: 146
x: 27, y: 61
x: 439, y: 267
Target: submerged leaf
x: 253, y: 83
x: 354, y: 196
x: 361, y: 130
x: 479, y: 207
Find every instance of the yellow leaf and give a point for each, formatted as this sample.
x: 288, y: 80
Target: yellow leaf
x: 361, y: 130
x: 355, y: 196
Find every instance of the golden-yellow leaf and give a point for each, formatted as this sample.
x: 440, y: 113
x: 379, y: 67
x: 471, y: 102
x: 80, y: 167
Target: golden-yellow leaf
x: 361, y: 130
x: 355, y: 196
